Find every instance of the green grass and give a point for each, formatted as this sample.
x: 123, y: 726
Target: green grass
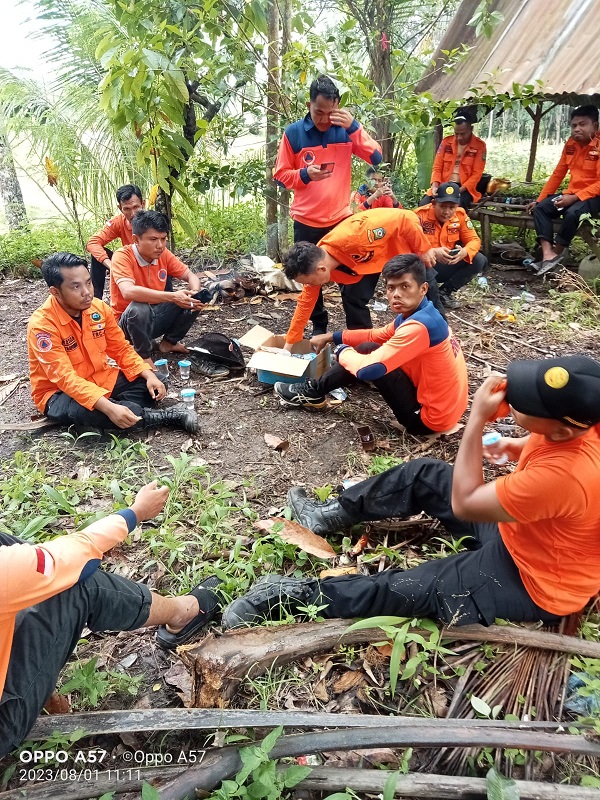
x: 18, y: 249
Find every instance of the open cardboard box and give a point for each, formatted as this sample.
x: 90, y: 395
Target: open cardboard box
x: 273, y: 367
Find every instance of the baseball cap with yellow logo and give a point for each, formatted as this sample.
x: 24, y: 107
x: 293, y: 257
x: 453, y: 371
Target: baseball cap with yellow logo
x: 566, y: 389
x: 448, y: 193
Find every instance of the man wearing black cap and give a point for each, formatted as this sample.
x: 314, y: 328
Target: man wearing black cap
x: 533, y: 534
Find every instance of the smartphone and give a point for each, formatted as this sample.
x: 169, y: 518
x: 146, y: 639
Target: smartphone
x: 328, y: 166
x: 455, y: 251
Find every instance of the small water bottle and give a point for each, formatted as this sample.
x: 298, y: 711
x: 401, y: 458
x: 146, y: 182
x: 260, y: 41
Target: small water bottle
x: 490, y: 441
x: 188, y: 398
x: 528, y: 262
x: 184, y: 370
x: 482, y: 282
x: 162, y: 369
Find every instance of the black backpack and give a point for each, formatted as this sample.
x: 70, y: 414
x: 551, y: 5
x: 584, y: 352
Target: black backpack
x: 219, y: 348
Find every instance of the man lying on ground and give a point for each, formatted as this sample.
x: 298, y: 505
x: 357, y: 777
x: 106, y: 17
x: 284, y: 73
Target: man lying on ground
x: 534, y: 534
x: 581, y: 158
x: 414, y: 362
x: 50, y: 592
x: 143, y: 306
x: 455, y: 242
x: 70, y: 339
x: 130, y: 201
x: 353, y: 255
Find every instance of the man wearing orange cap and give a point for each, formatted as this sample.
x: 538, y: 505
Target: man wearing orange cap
x: 532, y: 535
x: 455, y: 242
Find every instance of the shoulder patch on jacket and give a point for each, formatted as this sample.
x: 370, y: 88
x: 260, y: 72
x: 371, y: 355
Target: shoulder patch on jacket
x: 375, y: 233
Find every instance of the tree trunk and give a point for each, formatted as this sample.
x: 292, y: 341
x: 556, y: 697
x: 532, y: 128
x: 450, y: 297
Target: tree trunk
x: 284, y: 194
x: 10, y: 190
x: 272, y: 129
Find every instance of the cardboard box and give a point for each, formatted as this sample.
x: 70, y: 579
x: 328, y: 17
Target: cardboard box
x: 273, y: 367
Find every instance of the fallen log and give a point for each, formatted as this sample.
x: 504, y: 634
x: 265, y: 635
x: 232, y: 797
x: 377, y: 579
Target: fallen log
x: 218, y: 664
x: 327, y: 779
x: 173, y: 719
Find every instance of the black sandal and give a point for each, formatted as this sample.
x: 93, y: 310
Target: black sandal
x: 209, y: 608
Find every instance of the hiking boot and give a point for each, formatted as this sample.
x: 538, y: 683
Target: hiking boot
x: 173, y: 417
x: 320, y: 518
x: 272, y: 597
x: 299, y: 395
x: 448, y: 301
x: 207, y: 367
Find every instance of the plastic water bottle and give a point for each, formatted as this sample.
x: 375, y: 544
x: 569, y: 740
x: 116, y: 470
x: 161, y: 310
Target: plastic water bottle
x: 162, y: 369
x: 527, y: 262
x: 188, y: 398
x: 482, y: 282
x: 490, y: 442
x: 184, y: 369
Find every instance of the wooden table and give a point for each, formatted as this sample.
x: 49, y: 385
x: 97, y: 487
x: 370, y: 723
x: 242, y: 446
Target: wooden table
x: 490, y: 213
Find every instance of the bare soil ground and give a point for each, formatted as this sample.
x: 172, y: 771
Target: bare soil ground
x: 324, y: 448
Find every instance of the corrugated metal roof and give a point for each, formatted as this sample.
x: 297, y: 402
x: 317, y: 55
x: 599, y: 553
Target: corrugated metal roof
x: 555, y: 41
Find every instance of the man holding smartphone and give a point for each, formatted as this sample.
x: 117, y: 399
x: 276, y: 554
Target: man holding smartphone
x: 315, y: 160
x: 454, y: 241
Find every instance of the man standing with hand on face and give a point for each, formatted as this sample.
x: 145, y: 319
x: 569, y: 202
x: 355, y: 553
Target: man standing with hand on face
x: 315, y: 161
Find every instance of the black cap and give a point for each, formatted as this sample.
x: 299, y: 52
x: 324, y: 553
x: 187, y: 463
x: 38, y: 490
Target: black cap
x: 448, y: 193
x: 565, y: 389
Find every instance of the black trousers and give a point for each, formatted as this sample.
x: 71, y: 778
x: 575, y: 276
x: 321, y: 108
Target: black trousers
x: 306, y: 233
x: 454, y: 276
x: 133, y: 394
x: 474, y: 586
x: 396, y: 388
x: 465, y: 200
x: 46, y: 634
x: 546, y: 211
x: 143, y: 322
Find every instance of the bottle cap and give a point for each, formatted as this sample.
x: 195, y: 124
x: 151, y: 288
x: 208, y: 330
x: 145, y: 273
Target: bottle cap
x: 185, y: 363
x: 161, y: 362
x: 187, y: 393
x: 491, y: 438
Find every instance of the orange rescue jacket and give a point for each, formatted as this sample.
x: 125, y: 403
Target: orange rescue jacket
x: 471, y: 164
x: 362, y: 244
x: 116, y: 228
x: 71, y: 358
x: 583, y: 163
x: 458, y: 229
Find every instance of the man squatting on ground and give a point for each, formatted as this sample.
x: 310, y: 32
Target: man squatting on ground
x: 534, y: 534
x: 315, y: 161
x: 581, y: 158
x: 353, y: 255
x: 143, y: 306
x: 448, y: 228
x: 50, y: 592
x: 69, y: 341
x: 414, y: 362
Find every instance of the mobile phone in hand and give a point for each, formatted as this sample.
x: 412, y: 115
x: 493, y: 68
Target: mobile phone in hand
x: 328, y: 166
x: 455, y: 251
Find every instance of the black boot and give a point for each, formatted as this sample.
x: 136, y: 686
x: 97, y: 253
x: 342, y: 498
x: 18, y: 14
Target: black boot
x: 321, y: 518
x: 272, y: 597
x: 173, y: 417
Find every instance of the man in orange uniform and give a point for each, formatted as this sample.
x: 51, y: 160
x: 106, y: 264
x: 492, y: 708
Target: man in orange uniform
x: 130, y: 201
x: 414, y: 362
x: 581, y: 158
x: 532, y: 535
x: 353, y: 255
x: 139, y: 298
x: 454, y: 240
x: 461, y: 159
x: 315, y: 161
x: 377, y: 192
x: 70, y: 339
x: 50, y: 592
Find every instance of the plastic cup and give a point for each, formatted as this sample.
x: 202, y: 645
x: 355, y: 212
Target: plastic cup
x: 490, y: 442
x: 184, y: 370
x: 188, y: 398
x: 162, y: 369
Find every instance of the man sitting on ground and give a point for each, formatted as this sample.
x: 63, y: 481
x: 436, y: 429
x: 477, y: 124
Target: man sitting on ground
x: 460, y: 159
x: 70, y: 339
x: 581, y: 158
x: 414, y: 362
x: 50, y: 592
x: 377, y: 192
x: 130, y: 201
x: 533, y: 534
x: 353, y: 254
x: 455, y: 242
x: 138, y: 276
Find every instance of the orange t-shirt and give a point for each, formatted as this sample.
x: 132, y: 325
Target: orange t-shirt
x: 118, y: 227
x: 554, y: 494
x: 126, y: 266
x: 362, y: 244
